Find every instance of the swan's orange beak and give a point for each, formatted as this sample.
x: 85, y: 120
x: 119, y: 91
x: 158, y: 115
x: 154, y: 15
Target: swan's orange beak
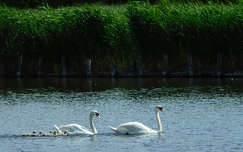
x: 97, y: 115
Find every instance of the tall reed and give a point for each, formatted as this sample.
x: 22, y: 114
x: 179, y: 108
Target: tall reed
x: 195, y: 28
x: 59, y: 3
x: 87, y: 30
x: 136, y: 28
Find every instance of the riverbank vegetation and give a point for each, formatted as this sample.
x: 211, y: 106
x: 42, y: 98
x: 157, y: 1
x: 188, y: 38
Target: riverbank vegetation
x: 134, y: 28
x: 60, y: 3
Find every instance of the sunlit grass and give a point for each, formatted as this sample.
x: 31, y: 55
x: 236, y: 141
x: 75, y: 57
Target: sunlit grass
x: 137, y: 27
x: 60, y: 3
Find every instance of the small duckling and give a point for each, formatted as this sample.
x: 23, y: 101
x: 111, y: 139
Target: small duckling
x: 50, y: 132
x: 66, y: 132
x: 27, y: 134
x: 34, y: 133
x: 41, y: 133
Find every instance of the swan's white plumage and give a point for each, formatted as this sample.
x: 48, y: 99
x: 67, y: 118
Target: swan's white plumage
x: 135, y: 128
x: 59, y: 131
x: 74, y: 128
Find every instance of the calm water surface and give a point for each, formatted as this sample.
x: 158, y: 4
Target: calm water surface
x: 201, y: 115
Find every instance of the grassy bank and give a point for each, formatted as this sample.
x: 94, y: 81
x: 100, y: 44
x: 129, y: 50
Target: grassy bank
x: 188, y: 28
x: 82, y: 30
x: 129, y: 29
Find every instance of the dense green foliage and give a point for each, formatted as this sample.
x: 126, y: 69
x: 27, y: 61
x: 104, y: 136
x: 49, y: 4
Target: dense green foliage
x: 136, y: 28
x: 58, y: 3
x: 194, y: 28
x: 87, y: 30
x: 54, y: 3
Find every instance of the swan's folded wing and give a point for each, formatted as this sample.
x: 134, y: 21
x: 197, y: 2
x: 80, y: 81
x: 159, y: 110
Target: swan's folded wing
x: 81, y: 128
x: 74, y: 128
x: 134, y: 128
x: 120, y: 130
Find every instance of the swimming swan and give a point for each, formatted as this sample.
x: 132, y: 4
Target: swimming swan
x: 135, y: 128
x: 74, y: 128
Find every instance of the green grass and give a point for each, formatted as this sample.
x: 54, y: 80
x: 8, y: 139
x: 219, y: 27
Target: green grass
x: 194, y: 27
x: 87, y: 30
x: 59, y: 3
x: 129, y: 29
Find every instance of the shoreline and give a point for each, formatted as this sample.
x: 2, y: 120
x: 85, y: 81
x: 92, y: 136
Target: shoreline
x: 75, y: 67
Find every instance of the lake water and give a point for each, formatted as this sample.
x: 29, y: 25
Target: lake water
x: 201, y: 115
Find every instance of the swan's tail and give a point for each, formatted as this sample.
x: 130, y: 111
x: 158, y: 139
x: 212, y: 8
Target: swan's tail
x: 58, y: 130
x: 114, y: 129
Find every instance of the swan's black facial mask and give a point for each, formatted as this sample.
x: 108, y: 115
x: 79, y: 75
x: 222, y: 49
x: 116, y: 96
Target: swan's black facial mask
x: 97, y: 115
x: 161, y: 109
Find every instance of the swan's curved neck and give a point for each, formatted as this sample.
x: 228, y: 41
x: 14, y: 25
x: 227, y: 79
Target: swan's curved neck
x: 158, y: 121
x: 92, y: 124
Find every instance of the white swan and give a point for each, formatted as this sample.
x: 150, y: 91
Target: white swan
x: 135, y: 128
x: 74, y: 128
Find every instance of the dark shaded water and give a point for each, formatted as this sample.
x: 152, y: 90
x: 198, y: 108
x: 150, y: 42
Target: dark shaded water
x: 200, y: 114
